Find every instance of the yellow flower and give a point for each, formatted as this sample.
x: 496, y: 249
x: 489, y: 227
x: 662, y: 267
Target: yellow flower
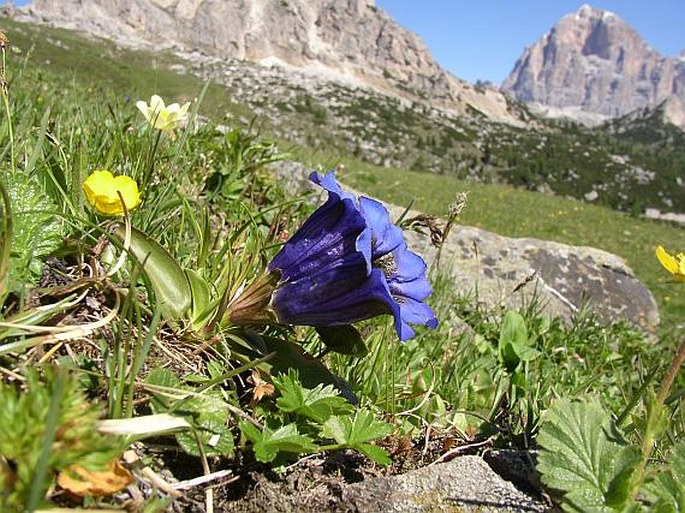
x: 102, y: 189
x: 674, y: 264
x: 164, y: 118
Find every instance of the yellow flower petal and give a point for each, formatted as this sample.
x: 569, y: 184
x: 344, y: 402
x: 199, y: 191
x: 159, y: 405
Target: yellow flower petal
x: 673, y: 264
x: 102, y: 192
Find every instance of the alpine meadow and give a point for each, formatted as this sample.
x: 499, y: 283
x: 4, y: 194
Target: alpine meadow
x: 228, y: 284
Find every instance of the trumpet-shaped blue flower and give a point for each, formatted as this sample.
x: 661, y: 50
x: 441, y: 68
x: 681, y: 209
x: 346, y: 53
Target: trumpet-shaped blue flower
x: 348, y: 262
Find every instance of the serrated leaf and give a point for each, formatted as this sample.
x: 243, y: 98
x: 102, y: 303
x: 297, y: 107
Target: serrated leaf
x: 36, y: 230
x: 206, y: 412
x: 581, y: 457
x: 163, y: 378
x: 317, y: 404
x: 311, y: 371
x: 168, y: 280
x: 268, y: 443
x: 377, y: 454
x: 355, y: 431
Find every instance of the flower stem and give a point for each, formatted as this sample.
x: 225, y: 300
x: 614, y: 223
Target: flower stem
x: 4, y: 88
x: 653, y: 415
x: 671, y: 374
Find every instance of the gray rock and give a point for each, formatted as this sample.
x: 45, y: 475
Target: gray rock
x: 465, y: 484
x: 510, y: 273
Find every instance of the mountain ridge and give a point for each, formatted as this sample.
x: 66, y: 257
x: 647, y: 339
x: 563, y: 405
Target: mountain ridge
x: 591, y: 66
x: 350, y: 40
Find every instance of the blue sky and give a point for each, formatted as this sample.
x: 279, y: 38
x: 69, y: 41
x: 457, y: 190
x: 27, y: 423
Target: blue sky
x: 481, y: 39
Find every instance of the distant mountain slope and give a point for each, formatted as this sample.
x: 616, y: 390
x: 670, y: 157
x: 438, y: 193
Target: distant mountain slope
x: 347, y: 40
x: 594, y: 63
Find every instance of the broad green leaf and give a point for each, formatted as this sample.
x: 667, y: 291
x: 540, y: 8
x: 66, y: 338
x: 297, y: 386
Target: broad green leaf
x: 582, y: 457
x: 317, y: 403
x: 514, y: 330
x: 343, y: 339
x: 201, y: 299
x: 268, y: 443
x: 168, y: 280
x: 212, y: 430
x: 36, y: 230
x: 514, y: 343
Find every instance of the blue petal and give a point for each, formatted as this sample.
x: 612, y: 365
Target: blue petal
x: 329, y: 234
x: 386, y: 236
x: 329, y: 183
x: 349, y: 262
x: 338, y: 298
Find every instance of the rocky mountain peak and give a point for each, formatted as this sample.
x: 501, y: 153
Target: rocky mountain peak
x: 348, y: 40
x: 593, y: 63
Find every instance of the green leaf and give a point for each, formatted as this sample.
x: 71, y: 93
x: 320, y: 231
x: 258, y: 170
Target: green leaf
x: 356, y: 431
x: 168, y: 280
x: 514, y: 330
x: 214, y: 435
x: 268, y: 443
x: 5, y: 239
x: 667, y: 489
x: 317, y: 404
x: 206, y: 412
x: 582, y: 457
x: 202, y: 309
x: 514, y: 342
x: 343, y: 339
x: 36, y: 230
x: 288, y: 355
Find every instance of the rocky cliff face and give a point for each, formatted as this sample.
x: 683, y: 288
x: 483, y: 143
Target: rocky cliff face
x: 593, y: 62
x: 349, y: 40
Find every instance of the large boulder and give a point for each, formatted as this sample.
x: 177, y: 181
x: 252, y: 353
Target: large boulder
x: 505, y: 272
x: 509, y: 272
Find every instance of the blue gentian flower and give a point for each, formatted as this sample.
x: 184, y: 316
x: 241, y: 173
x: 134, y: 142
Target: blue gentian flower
x: 348, y: 262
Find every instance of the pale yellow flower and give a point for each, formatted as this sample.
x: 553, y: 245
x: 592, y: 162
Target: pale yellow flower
x: 102, y: 190
x: 674, y: 264
x: 163, y: 117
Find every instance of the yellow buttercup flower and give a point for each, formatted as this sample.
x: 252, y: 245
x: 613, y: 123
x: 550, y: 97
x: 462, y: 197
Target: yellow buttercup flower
x: 674, y: 264
x: 102, y: 190
x: 163, y: 117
